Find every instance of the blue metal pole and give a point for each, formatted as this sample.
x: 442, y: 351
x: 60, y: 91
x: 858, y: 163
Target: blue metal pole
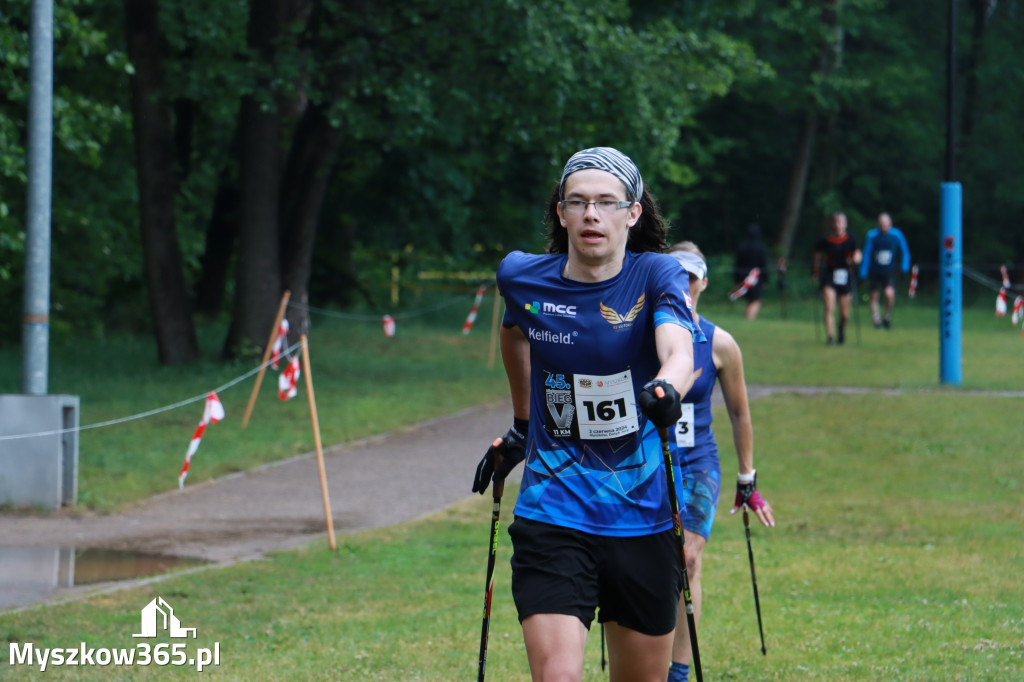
x: 951, y: 285
x: 35, y: 331
x: 950, y: 251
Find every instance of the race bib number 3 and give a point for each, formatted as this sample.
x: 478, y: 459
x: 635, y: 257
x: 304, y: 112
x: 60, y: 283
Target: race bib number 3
x: 684, y: 427
x: 590, y: 407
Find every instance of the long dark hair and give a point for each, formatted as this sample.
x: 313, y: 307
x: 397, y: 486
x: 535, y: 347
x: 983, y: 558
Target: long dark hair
x: 648, y: 234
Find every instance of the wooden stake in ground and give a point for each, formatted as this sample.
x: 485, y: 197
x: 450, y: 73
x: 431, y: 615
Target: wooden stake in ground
x: 266, y: 356
x: 494, y: 328
x: 318, y: 443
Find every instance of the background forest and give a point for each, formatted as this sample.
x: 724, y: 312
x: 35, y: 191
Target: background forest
x: 209, y: 155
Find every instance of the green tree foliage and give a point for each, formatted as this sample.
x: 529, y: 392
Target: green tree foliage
x: 885, y: 150
x: 95, y: 258
x: 470, y: 109
x: 441, y: 124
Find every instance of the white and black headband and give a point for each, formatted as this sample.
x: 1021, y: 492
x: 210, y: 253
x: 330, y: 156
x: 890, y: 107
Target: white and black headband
x: 606, y: 159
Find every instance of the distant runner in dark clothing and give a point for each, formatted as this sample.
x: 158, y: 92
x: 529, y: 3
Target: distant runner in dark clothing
x: 834, y: 258
x: 752, y: 253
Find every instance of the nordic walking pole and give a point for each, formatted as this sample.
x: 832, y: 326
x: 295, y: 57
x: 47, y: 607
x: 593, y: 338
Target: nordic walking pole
x: 266, y: 356
x: 753, y: 578
x: 497, y: 488
x: 818, y: 302
x: 856, y: 305
x: 677, y: 526
x: 318, y: 443
x: 604, y: 661
x: 781, y: 284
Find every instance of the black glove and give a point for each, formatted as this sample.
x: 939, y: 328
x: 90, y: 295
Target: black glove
x: 511, y: 448
x: 664, y: 411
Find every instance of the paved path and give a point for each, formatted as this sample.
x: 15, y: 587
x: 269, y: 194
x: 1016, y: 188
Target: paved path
x: 376, y: 482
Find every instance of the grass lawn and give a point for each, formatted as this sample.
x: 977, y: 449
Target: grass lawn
x: 364, y: 384
x: 367, y: 384
x: 897, y: 556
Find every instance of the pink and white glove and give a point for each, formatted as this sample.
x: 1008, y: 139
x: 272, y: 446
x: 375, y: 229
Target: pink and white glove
x: 748, y: 495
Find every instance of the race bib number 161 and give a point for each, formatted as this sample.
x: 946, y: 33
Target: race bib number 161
x: 590, y: 407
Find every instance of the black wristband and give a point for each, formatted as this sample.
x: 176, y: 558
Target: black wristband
x: 521, y: 425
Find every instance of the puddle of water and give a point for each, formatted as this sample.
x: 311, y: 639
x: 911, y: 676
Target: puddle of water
x: 33, y: 574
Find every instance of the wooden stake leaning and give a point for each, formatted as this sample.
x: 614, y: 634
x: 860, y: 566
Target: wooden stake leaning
x: 266, y: 356
x: 318, y: 443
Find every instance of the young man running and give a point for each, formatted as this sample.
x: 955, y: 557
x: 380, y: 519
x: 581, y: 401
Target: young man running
x: 592, y: 331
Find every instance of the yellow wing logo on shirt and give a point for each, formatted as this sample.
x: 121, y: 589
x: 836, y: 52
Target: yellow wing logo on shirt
x: 622, y: 321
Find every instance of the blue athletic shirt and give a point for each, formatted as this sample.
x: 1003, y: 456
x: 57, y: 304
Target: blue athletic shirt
x: 695, y: 438
x: 593, y: 462
x: 880, y: 252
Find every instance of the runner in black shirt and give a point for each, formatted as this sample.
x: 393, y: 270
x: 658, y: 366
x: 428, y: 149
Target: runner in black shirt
x: 834, y: 258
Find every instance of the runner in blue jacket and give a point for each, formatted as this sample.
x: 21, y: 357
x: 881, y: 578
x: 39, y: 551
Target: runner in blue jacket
x: 885, y: 245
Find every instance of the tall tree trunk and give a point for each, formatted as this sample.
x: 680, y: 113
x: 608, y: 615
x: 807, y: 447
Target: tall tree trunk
x: 981, y: 11
x: 797, y: 184
x: 828, y: 57
x: 221, y: 238
x: 168, y: 295
x: 304, y: 185
x: 257, y: 276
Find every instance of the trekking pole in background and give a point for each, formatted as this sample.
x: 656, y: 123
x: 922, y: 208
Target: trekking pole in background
x: 753, y: 579
x: 856, y: 305
x: 677, y: 526
x: 498, y: 488
x: 818, y: 302
x: 781, y: 284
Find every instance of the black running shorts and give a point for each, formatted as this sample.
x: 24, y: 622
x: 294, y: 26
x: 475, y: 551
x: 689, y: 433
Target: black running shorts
x: 880, y: 280
x: 635, y: 581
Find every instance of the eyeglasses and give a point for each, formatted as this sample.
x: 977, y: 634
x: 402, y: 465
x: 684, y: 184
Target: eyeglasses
x: 577, y: 207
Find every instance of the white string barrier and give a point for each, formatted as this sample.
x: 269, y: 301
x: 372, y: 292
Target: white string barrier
x: 149, y: 413
x: 986, y: 281
x: 376, y: 318
x: 237, y: 380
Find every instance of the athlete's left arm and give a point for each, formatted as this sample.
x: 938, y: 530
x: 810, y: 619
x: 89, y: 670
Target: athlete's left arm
x: 675, y: 352
x: 904, y: 249
x: 729, y: 361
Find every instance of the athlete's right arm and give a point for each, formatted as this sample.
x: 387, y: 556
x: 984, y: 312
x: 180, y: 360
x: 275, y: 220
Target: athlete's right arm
x: 515, y: 355
x: 869, y: 245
